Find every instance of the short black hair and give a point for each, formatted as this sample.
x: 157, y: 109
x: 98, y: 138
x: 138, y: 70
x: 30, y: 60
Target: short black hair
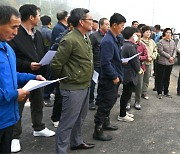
x: 95, y: 21
x: 61, y: 15
x: 101, y: 21
x: 134, y: 22
x: 145, y: 28
x: 140, y: 26
x: 77, y: 14
x: 158, y: 27
x: 165, y: 30
x: 128, y: 32
x: 27, y: 10
x: 46, y: 20
x: 6, y: 12
x: 117, y: 18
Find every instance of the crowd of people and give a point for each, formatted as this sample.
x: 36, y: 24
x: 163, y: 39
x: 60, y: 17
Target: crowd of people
x: 84, y: 47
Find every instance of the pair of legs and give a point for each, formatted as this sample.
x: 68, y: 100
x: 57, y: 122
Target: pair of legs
x: 74, y: 111
x: 36, y: 99
x: 163, y: 78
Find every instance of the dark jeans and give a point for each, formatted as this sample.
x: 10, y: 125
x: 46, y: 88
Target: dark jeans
x: 92, y: 87
x: 178, y: 84
x: 5, y: 139
x: 126, y: 95
x: 36, y: 99
x: 57, y: 108
x: 108, y: 98
x: 163, y: 78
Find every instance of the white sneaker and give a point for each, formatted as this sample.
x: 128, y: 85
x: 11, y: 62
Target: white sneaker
x: 15, y: 145
x: 125, y: 119
x: 130, y: 114
x: 45, y: 132
x: 55, y: 124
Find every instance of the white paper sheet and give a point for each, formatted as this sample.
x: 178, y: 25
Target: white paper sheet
x: 125, y: 60
x: 35, y: 84
x: 95, y: 76
x: 47, y: 57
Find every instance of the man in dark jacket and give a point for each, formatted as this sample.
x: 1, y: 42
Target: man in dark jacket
x: 96, y: 38
x: 111, y: 76
x: 29, y: 49
x: 10, y: 79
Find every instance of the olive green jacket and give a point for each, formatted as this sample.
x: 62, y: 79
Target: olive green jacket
x: 74, y: 59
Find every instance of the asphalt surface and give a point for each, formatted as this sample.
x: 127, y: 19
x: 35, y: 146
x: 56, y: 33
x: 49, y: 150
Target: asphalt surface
x: 155, y: 130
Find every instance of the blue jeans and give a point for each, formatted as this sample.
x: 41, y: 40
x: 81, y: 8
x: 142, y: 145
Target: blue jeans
x: 92, y: 87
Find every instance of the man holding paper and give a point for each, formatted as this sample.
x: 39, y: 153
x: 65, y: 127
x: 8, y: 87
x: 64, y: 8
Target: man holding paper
x: 29, y: 50
x: 10, y: 79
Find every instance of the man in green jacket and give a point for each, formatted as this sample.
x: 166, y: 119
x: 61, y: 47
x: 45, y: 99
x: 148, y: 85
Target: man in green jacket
x: 74, y: 59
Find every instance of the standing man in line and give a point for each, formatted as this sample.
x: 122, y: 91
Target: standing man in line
x: 96, y: 38
x: 74, y: 59
x: 61, y: 25
x: 29, y: 50
x: 10, y: 79
x: 111, y: 76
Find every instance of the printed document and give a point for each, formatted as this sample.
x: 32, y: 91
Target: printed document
x: 95, y: 76
x: 35, y: 84
x: 47, y: 57
x: 125, y: 60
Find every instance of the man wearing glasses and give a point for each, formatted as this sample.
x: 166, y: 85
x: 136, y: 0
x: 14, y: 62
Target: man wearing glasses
x: 74, y: 59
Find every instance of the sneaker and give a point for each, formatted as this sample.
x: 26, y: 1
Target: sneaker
x: 92, y: 106
x: 128, y: 107
x: 55, y: 123
x: 145, y: 96
x: 48, y: 102
x: 125, y: 119
x: 15, y: 145
x: 160, y: 96
x: 168, y: 95
x: 137, y: 106
x: 130, y: 114
x: 45, y: 132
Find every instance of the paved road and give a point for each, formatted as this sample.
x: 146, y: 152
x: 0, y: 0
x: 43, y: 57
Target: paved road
x: 156, y: 129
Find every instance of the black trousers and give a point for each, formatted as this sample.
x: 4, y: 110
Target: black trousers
x: 57, y: 108
x: 5, y: 139
x: 108, y: 98
x: 163, y: 78
x: 126, y: 95
x: 36, y: 99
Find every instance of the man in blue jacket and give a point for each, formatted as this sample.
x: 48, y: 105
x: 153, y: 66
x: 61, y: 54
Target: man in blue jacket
x: 10, y: 79
x: 111, y: 76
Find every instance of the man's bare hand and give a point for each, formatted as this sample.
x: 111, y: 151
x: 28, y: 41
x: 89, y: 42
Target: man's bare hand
x: 22, y: 94
x: 116, y: 81
x: 35, y: 66
x: 40, y: 78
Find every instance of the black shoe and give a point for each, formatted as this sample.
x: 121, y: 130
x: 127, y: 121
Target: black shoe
x: 83, y: 146
x: 154, y: 89
x: 137, y: 106
x: 168, y: 95
x: 108, y: 126
x: 99, y: 134
x: 145, y: 96
x: 92, y: 106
